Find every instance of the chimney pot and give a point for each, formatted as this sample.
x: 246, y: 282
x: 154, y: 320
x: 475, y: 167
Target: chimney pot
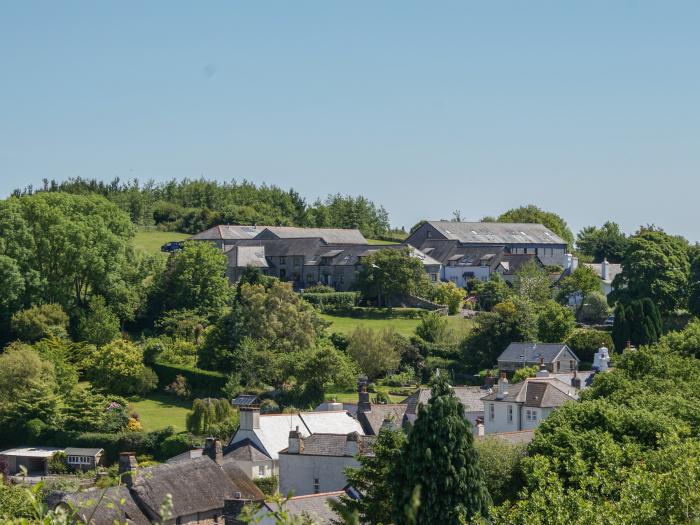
x: 213, y: 449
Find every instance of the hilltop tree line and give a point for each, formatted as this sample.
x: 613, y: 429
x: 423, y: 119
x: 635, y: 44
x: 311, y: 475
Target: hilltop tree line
x: 191, y: 206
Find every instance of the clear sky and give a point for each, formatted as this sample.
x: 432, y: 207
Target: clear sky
x: 590, y: 109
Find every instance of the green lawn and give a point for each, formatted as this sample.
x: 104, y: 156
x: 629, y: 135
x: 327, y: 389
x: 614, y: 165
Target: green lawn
x: 151, y: 241
x: 159, y: 410
x: 381, y: 319
x: 350, y: 396
x: 380, y: 241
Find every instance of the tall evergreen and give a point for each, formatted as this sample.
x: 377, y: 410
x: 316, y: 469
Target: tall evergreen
x: 440, y: 457
x: 620, y: 331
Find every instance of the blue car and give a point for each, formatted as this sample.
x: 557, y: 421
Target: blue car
x: 172, y: 246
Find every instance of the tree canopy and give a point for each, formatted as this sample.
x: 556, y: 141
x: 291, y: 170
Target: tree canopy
x: 607, y: 242
x: 388, y: 273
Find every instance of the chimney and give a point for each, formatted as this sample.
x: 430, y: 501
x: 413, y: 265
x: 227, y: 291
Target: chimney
x: 576, y: 381
x: 363, y: 404
x: 605, y: 270
x: 542, y: 372
x: 249, y: 418
x: 127, y: 467
x: 480, y: 430
x: 212, y: 448
x: 233, y: 509
x: 488, y: 381
x: 502, y: 386
x: 574, y: 263
x: 352, y: 444
x: 296, y: 442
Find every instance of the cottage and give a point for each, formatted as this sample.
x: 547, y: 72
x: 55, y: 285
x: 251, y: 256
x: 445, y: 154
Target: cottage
x: 557, y: 357
x: 469, y: 396
x: 522, y: 406
x: 84, y: 458
x: 317, y: 463
x: 230, y: 234
x: 268, y: 434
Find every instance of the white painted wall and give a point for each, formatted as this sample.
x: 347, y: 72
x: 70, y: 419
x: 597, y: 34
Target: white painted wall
x: 520, y: 421
x: 455, y: 274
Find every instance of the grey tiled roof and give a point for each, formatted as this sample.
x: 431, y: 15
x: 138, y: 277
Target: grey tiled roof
x: 517, y: 437
x: 447, y: 250
x: 75, y: 451
x: 313, y: 506
x: 536, y: 392
x: 532, y: 352
x: 497, y: 232
x: 333, y: 444
x: 228, y: 232
x: 113, y: 505
x: 373, y: 420
x: 329, y: 235
x: 469, y: 396
x: 246, y: 451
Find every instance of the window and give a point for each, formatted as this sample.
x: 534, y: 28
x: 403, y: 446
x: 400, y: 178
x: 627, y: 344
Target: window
x: 571, y: 364
x: 341, y: 278
x: 309, y: 277
x: 558, y: 365
x: 261, y: 471
x: 283, y: 260
x: 317, y: 485
x: 298, y: 261
x: 510, y: 413
x: 534, y: 415
x: 528, y: 415
x: 524, y: 250
x: 492, y: 411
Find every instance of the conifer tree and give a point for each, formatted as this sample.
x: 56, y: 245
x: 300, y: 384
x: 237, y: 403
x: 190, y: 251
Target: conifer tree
x: 440, y: 457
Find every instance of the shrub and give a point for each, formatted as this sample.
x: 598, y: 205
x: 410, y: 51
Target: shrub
x: 200, y: 382
x: 40, y: 321
x: 99, y: 325
x: 585, y: 342
x: 269, y: 485
x: 432, y: 328
x: 119, y: 368
x: 178, y: 387
x: 319, y: 288
x: 331, y: 301
x: 595, y: 308
x: 450, y: 295
x: 177, y: 444
x: 523, y: 373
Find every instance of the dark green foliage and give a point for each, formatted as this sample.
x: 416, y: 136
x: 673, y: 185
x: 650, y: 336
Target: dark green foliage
x: 98, y: 325
x: 491, y: 292
x: 607, y: 242
x: 200, y: 382
x: 638, y: 322
x: 177, y: 444
x: 440, y: 457
x: 390, y: 273
x: 655, y: 266
x: 37, y: 322
x: 554, y: 322
x: 694, y: 298
x: 207, y: 413
x: 432, y: 328
x: 585, y: 342
x: 501, y: 463
x: 268, y: 485
x: 373, y: 479
x: 331, y: 301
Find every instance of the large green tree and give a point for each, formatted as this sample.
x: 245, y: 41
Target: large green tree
x: 440, y: 458
x: 554, y: 322
x: 375, y: 351
x: 533, y: 214
x: 490, y: 293
x: 607, y: 242
x: 694, y: 298
x: 656, y: 266
x: 69, y: 248
x: 119, y: 368
x: 389, y: 273
x: 532, y: 283
x: 582, y: 282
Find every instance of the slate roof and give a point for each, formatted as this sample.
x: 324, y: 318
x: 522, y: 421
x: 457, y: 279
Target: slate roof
x: 314, y: 506
x: 539, y: 392
x: 197, y: 485
x: 613, y: 270
x: 469, y: 396
x: 512, y: 262
x: 245, y: 400
x: 228, y: 232
x: 106, y: 507
x: 497, y: 232
x: 189, y: 454
x: 451, y: 250
x: 75, y: 451
x: 329, y: 235
x: 246, y: 451
x: 373, y: 419
x: 532, y: 352
x: 332, y: 445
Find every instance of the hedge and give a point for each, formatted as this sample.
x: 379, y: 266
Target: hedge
x: 202, y: 383
x: 332, y: 301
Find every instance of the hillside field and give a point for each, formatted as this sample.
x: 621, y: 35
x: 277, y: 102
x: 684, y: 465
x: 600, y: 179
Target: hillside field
x: 151, y: 241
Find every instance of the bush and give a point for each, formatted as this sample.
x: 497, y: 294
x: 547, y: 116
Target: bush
x: 432, y: 328
x: 501, y: 464
x: 178, y: 387
x: 585, y: 342
x: 269, y: 485
x: 201, y: 383
x: 38, y: 322
x: 99, y: 325
x: 319, y: 288
x: 177, y: 444
x: 595, y: 309
x: 325, y: 301
x: 119, y: 368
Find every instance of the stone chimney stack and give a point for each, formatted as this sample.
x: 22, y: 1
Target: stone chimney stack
x: 249, y: 418
x: 605, y: 270
x: 296, y: 442
x: 542, y: 372
x: 576, y: 381
x: 363, y: 404
x: 502, y: 386
x: 352, y: 444
x: 127, y: 467
x: 233, y: 509
x: 213, y: 449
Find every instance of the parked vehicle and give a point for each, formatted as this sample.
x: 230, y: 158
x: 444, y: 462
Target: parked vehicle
x: 609, y: 321
x: 172, y: 246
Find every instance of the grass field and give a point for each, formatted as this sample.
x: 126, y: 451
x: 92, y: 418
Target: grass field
x: 406, y: 327
x: 151, y: 241
x: 159, y: 410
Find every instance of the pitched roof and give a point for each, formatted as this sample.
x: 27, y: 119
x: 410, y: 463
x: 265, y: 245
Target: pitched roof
x: 444, y: 250
x: 197, y: 485
x: 496, y: 232
x: 246, y: 451
x: 314, y: 506
x: 189, y: 454
x: 31, y: 452
x: 245, y: 400
x: 332, y: 444
x: 512, y: 262
x: 75, y: 451
x: 540, y: 392
x: 373, y: 419
x: 613, y: 270
x: 469, y: 396
x: 240, y: 481
x: 106, y: 507
x: 329, y: 235
x: 532, y: 352
x: 228, y: 232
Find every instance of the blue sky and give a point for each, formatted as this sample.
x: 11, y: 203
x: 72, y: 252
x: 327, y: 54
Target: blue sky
x: 590, y: 109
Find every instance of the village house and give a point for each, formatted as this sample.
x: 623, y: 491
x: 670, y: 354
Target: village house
x: 198, y: 489
x: 317, y: 463
x: 83, y: 458
x: 230, y: 234
x: 522, y: 406
x: 515, y: 238
x: 604, y: 270
x: 263, y: 436
x: 557, y: 357
x: 469, y: 396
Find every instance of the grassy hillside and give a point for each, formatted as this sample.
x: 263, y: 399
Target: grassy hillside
x: 381, y: 319
x: 151, y: 241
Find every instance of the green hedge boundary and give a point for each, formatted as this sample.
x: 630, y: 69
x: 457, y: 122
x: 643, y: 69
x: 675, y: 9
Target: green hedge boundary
x: 202, y: 383
x: 332, y: 300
